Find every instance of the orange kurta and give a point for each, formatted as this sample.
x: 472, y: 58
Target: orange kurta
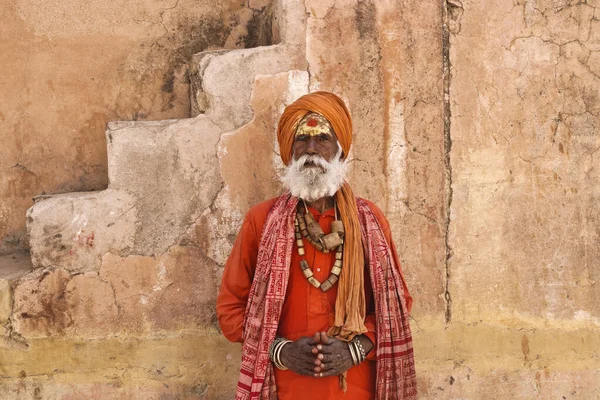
x: 306, y: 309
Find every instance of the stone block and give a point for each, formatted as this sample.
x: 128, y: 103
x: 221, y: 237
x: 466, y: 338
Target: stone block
x: 171, y: 169
x: 130, y: 295
x: 40, y: 308
x: 249, y: 164
x: 172, y: 292
x: 74, y: 230
x: 91, y: 305
x: 12, y: 267
x: 227, y: 101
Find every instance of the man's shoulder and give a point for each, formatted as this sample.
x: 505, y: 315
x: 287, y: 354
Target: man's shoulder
x: 263, y: 207
x: 378, y: 213
x: 259, y: 212
x: 376, y: 210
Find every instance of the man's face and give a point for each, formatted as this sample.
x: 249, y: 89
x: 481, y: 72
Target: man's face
x: 321, y: 142
x: 317, y: 169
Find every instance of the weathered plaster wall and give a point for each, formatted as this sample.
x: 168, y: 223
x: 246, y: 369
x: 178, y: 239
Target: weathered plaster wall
x: 476, y: 130
x: 67, y: 68
x: 524, y: 221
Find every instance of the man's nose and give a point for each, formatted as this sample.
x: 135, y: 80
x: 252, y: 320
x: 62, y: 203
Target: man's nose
x: 311, y: 145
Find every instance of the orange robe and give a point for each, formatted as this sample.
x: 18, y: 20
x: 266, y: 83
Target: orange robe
x: 306, y: 309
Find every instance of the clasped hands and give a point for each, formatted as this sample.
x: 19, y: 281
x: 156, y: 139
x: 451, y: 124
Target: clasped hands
x: 318, y: 356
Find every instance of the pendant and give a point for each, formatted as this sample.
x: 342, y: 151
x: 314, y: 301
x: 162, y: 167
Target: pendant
x: 313, y: 227
x: 331, y: 241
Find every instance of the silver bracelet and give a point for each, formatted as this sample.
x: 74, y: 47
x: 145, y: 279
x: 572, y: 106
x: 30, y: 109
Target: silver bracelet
x: 278, y: 355
x: 275, y: 352
x: 353, y: 353
x: 360, y: 348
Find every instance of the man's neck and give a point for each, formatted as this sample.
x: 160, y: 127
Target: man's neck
x: 322, y: 204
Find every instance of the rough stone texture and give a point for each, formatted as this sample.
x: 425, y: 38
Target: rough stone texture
x: 172, y: 190
x: 476, y: 130
x: 216, y: 230
x: 372, y: 54
x: 70, y: 67
x: 75, y: 230
x: 12, y: 267
x: 191, y: 367
x: 525, y: 132
x: 134, y: 295
x: 213, y: 95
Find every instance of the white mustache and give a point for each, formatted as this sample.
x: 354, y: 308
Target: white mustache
x: 315, y: 159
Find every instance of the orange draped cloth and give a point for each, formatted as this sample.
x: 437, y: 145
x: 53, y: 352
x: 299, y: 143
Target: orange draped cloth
x: 306, y: 309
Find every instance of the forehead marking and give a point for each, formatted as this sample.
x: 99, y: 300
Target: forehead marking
x: 313, y: 124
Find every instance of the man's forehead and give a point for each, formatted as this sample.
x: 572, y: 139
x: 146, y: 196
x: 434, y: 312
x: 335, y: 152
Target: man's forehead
x: 314, y: 124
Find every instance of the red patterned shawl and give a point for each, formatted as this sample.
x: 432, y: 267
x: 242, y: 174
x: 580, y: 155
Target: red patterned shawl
x: 396, y: 377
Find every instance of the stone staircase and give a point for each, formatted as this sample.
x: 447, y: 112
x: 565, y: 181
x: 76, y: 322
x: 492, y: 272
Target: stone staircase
x: 166, y: 178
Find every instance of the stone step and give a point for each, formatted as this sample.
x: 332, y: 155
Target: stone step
x: 12, y: 267
x: 163, y: 174
x: 221, y: 81
x: 74, y: 230
x: 171, y: 169
x: 227, y: 101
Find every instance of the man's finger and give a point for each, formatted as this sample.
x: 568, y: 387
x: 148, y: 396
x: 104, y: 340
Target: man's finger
x: 324, y: 338
x: 329, y: 349
x: 316, y: 339
x: 329, y: 372
x: 326, y: 350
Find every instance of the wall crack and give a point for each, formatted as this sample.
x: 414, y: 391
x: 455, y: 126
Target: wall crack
x: 446, y: 65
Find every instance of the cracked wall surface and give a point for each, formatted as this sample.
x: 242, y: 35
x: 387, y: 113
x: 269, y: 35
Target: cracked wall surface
x: 524, y: 237
x: 476, y: 131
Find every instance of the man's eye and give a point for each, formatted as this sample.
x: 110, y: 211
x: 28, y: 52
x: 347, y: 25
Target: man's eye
x: 323, y: 137
x: 301, y: 138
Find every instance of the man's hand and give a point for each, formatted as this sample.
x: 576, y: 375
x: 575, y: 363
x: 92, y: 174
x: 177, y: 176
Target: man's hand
x: 301, y: 356
x: 333, y: 357
x: 320, y: 355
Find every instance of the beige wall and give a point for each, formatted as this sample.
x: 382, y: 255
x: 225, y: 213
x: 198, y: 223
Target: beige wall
x: 476, y: 130
x: 68, y: 68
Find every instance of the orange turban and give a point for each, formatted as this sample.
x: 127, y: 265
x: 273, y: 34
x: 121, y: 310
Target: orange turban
x: 350, y: 307
x: 328, y: 105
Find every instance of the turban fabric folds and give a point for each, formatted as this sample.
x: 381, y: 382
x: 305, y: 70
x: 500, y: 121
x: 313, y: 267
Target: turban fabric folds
x: 350, y: 307
x: 328, y: 105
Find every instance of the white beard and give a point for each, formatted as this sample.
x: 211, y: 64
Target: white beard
x: 312, y: 183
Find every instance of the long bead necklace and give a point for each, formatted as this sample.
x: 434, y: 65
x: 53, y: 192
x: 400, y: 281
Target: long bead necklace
x: 305, y: 226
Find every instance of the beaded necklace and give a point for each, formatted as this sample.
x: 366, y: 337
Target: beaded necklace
x: 305, y: 226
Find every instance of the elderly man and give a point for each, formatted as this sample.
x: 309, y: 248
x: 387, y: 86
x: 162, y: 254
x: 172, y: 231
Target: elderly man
x: 313, y: 287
